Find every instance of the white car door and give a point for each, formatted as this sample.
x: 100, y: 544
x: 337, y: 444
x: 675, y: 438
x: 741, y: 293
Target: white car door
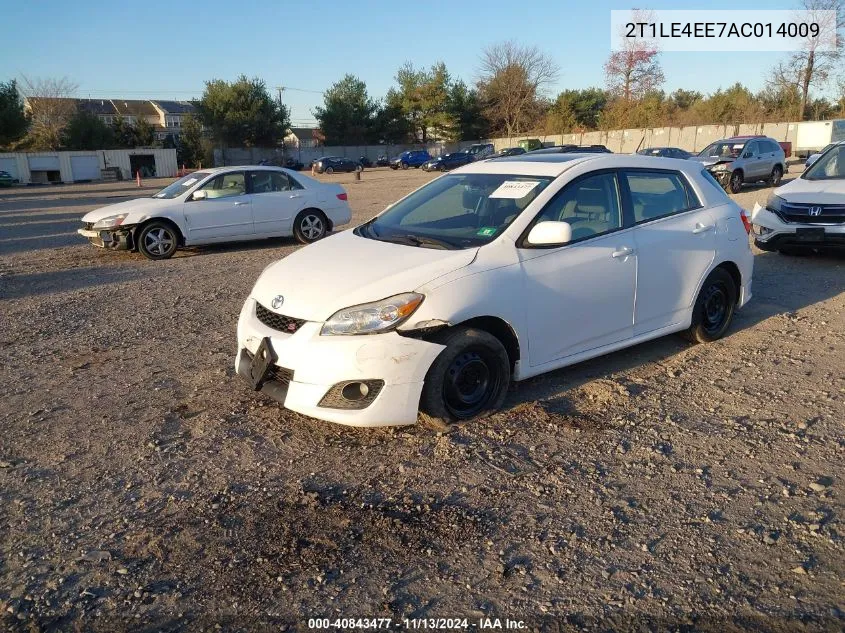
x: 580, y: 295
x: 676, y: 243
x: 276, y: 199
x: 225, y: 211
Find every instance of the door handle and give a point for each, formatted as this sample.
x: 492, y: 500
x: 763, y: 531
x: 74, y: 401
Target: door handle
x: 622, y: 252
x: 701, y: 228
x: 237, y: 204
x: 295, y: 195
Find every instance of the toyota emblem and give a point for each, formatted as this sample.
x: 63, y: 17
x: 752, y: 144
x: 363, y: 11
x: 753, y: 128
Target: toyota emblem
x: 814, y: 211
x: 277, y: 302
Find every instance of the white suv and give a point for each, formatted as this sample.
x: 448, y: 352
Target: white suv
x: 807, y: 213
x: 497, y: 271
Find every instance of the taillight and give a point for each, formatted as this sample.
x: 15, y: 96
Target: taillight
x: 745, y: 221
x: 342, y: 196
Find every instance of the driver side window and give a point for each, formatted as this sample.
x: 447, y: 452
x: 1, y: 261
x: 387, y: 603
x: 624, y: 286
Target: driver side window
x: 590, y: 205
x: 750, y: 150
x: 225, y: 185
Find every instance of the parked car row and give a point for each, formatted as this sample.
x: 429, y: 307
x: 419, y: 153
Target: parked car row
x: 736, y: 160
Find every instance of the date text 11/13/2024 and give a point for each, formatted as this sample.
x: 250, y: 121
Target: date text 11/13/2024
x: 432, y: 624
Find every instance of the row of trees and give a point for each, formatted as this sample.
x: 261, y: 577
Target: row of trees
x: 229, y: 113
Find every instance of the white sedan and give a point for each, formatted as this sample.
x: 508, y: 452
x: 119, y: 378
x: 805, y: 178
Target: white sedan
x: 220, y: 205
x: 499, y: 271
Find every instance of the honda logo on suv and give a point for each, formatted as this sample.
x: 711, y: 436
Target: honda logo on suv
x: 814, y: 211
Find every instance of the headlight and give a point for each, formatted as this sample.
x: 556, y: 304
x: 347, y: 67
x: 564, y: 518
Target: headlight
x: 774, y: 203
x: 372, y: 318
x: 110, y: 222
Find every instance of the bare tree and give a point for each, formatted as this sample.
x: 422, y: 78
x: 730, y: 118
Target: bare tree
x: 812, y: 65
x: 634, y: 70
x: 51, y: 106
x: 512, y: 82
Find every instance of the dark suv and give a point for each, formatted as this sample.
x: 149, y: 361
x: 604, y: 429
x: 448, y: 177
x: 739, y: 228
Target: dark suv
x: 331, y: 164
x: 413, y: 158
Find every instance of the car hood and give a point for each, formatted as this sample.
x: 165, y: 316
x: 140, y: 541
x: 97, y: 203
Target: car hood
x: 813, y: 191
x: 139, y: 207
x: 346, y: 270
x: 707, y: 161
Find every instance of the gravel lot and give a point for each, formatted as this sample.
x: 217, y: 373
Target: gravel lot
x: 144, y: 487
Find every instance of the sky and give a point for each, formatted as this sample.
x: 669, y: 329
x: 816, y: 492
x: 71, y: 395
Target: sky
x: 167, y: 50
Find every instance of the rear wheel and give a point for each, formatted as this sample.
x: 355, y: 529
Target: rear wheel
x: 310, y: 225
x: 158, y: 240
x: 714, y: 308
x: 777, y: 174
x: 735, y: 183
x: 469, y: 378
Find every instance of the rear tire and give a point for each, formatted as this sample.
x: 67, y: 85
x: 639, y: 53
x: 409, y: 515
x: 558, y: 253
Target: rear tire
x: 310, y: 225
x: 777, y: 175
x: 713, y: 309
x: 157, y: 240
x: 735, y: 183
x: 469, y: 379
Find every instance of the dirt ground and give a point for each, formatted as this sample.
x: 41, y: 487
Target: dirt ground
x: 144, y: 487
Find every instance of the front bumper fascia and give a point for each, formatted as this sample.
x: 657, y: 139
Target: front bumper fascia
x: 117, y: 239
x: 317, y: 363
x: 779, y: 234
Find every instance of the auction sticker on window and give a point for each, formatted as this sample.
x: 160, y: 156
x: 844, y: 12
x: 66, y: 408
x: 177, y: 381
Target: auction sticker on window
x: 514, y: 189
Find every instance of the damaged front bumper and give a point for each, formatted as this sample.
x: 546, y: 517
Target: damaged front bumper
x: 373, y: 380
x: 117, y: 239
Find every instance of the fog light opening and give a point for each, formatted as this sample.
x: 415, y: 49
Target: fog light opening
x: 355, y: 391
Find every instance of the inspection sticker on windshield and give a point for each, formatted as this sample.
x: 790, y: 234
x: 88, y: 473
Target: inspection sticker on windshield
x: 486, y: 230
x: 514, y: 189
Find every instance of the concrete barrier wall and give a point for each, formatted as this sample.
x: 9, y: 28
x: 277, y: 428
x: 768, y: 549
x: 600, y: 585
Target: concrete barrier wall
x: 692, y: 138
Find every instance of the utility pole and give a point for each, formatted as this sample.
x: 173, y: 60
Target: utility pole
x: 280, y: 89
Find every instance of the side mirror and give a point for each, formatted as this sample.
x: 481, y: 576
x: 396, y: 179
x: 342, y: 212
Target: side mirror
x: 550, y: 234
x: 747, y: 155
x: 202, y: 194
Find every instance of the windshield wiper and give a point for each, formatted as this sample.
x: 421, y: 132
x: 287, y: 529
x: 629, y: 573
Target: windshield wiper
x: 416, y: 240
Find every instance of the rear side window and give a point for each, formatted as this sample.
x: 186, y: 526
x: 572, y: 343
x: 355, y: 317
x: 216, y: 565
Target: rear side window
x: 658, y: 194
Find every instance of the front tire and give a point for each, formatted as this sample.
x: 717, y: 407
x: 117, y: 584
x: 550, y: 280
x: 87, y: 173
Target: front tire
x: 404, y: 165
x: 713, y: 309
x: 735, y: 183
x: 329, y: 170
x: 469, y: 379
x: 158, y: 240
x: 310, y: 225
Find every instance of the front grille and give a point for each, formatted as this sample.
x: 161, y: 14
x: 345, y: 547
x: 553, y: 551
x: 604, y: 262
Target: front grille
x: 795, y: 213
x: 279, y: 322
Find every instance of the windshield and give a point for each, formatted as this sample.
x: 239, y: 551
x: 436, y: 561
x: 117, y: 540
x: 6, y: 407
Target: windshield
x: 456, y: 211
x: 723, y: 149
x: 829, y: 166
x: 182, y: 185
